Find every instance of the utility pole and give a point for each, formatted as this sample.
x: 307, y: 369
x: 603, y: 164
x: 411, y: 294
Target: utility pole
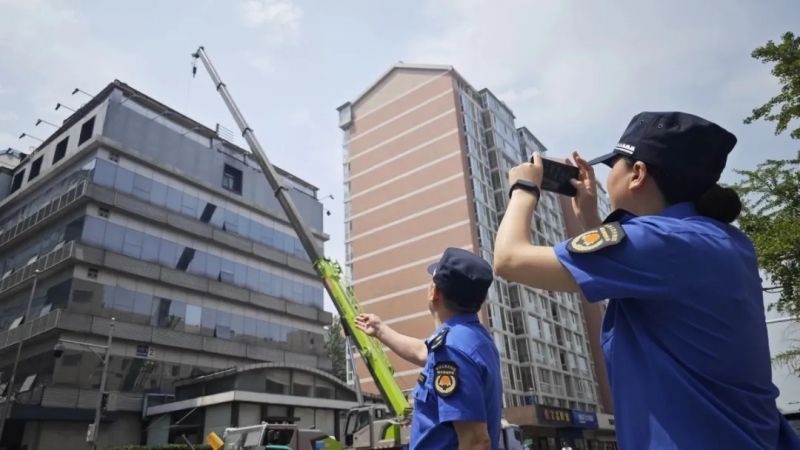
x: 94, y: 429
x: 98, y: 410
x: 11, y: 395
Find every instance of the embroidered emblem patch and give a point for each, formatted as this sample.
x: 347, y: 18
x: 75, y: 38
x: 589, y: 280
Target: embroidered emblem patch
x: 438, y: 340
x: 598, y: 238
x: 445, y: 378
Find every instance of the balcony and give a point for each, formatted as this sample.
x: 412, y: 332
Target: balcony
x: 45, y: 262
x: 30, y: 329
x: 55, y: 206
x: 552, y: 389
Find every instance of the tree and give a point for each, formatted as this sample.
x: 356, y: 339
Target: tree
x: 771, y: 217
x: 771, y: 192
x: 335, y: 347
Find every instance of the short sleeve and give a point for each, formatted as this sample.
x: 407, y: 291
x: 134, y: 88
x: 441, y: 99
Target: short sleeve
x: 639, y: 266
x: 466, y: 402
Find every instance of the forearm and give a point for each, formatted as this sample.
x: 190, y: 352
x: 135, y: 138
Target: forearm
x: 516, y: 260
x: 515, y: 230
x: 472, y: 436
x: 409, y: 348
x: 590, y: 222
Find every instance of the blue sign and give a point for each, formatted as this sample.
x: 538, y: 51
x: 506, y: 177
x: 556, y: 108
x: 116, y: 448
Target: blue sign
x: 584, y: 419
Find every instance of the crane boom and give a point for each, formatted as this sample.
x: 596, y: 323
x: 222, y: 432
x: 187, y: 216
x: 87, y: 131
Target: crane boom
x: 370, y: 349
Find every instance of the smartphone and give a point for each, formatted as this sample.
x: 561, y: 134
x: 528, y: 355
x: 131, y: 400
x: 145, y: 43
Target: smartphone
x: 556, y: 177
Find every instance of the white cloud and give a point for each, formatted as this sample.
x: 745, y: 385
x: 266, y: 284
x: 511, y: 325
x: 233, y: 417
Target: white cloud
x: 576, y: 74
x: 55, y: 49
x: 517, y: 96
x: 279, y: 20
x: 261, y: 61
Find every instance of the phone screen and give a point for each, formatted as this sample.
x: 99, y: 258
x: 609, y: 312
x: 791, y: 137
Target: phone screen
x: 556, y: 177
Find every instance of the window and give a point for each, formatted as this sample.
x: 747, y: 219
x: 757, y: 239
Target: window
x: 208, y: 212
x: 193, y: 315
x: 17, y: 322
x: 185, y: 259
x: 28, y: 383
x: 86, y: 131
x: 222, y: 332
x: 61, y: 150
x: 302, y: 383
x: 232, y: 179
x: 277, y: 382
x: 36, y: 167
x: 17, y: 182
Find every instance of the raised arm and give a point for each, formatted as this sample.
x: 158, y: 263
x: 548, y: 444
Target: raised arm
x: 409, y: 348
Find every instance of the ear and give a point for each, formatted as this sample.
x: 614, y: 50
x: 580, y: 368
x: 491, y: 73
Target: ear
x: 639, y: 176
x: 434, y: 294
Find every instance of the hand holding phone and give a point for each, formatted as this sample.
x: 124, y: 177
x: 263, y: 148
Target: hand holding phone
x: 556, y: 177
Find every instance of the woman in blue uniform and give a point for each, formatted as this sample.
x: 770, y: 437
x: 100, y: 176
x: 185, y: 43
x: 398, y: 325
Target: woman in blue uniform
x: 684, y: 335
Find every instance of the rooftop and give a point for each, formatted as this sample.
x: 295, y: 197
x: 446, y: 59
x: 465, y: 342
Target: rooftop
x: 150, y: 103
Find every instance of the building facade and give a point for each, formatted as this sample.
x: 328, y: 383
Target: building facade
x: 426, y: 158
x: 248, y: 395
x: 133, y: 211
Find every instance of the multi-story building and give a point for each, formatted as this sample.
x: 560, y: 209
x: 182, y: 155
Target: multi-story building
x: 133, y: 211
x: 426, y: 158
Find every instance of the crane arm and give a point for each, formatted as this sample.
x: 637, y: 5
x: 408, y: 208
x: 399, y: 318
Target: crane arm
x: 341, y: 294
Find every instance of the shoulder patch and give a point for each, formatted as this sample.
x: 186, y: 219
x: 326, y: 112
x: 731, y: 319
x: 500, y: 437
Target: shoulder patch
x: 596, y: 239
x: 438, y: 340
x: 445, y: 379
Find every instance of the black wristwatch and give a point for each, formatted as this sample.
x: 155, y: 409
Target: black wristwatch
x: 525, y: 185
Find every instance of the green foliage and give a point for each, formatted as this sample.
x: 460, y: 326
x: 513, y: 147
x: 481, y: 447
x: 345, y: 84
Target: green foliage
x: 335, y: 343
x: 771, y: 192
x: 785, y: 106
x: 771, y: 217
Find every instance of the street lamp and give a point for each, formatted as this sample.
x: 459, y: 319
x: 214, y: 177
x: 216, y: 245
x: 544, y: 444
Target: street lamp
x: 76, y: 90
x: 23, y: 135
x: 58, y: 350
x: 61, y: 105
x: 10, y: 397
x: 40, y: 121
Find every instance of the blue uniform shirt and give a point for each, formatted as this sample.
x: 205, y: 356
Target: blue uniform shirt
x: 478, y: 392
x: 684, y: 335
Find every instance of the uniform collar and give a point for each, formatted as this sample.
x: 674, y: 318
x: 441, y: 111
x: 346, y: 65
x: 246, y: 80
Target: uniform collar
x: 456, y: 320
x: 679, y: 210
x: 462, y: 318
x: 619, y: 215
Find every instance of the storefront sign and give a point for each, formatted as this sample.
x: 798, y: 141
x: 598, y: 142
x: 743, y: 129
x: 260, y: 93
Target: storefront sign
x: 584, y: 419
x: 554, y: 416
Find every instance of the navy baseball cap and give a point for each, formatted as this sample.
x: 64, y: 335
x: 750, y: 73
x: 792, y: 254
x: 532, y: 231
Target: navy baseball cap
x: 463, y: 277
x: 676, y: 141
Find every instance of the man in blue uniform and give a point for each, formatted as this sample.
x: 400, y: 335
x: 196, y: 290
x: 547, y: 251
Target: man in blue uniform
x: 684, y: 335
x: 458, y: 397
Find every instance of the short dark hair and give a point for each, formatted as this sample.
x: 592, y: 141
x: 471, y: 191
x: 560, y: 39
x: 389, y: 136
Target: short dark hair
x: 456, y: 307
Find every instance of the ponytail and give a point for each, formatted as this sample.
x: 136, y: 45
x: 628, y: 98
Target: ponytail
x: 719, y: 203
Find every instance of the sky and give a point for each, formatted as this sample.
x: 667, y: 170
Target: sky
x: 573, y: 72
